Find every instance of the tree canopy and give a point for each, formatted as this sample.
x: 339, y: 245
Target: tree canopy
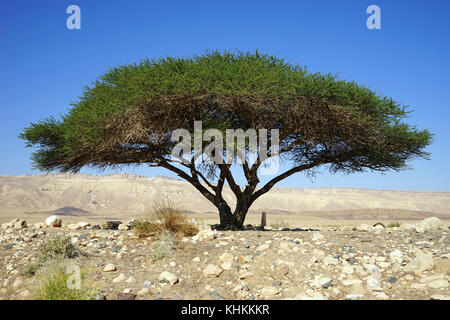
x: 128, y: 114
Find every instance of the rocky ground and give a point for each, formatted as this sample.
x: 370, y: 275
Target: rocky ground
x: 361, y: 262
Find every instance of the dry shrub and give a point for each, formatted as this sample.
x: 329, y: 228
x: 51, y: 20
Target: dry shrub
x: 165, y: 217
x: 280, y: 224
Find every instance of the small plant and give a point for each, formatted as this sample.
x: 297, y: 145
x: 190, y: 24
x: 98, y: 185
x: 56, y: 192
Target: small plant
x: 164, y: 247
x: 165, y: 217
x: 280, y: 224
x: 58, y: 249
x: 394, y: 224
x: 31, y: 269
x: 53, y: 284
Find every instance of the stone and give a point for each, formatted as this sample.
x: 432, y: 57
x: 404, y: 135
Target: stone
x: 122, y: 227
x: 323, y: 282
x: 227, y: 265
x: 364, y: 228
x: 18, y: 223
x: 17, y: 283
x: 74, y: 226
x: 439, y: 297
x: 143, y: 292
x: 131, y: 222
x: 111, y: 225
x: 168, y: 277
x: 126, y: 296
x: 327, y: 260
x: 438, y: 284
x: 100, y: 296
x: 196, y: 259
x: 347, y: 269
x: 109, y: 267
x: 83, y: 224
x: 422, y: 262
x: 53, y: 221
x: 226, y: 257
x: 212, y: 270
x: 430, y: 224
x: 354, y: 296
x: 396, y: 256
x: 205, y: 235
x: 317, y: 236
x: 263, y: 247
x: 121, y: 277
x: 269, y: 291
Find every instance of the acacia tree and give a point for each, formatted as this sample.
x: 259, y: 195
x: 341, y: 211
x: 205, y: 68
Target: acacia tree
x: 127, y: 116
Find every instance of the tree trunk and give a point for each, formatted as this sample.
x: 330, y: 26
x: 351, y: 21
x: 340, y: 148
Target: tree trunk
x: 232, y: 220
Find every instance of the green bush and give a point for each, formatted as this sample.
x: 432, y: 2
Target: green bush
x: 53, y: 285
x: 394, y: 224
x: 56, y: 249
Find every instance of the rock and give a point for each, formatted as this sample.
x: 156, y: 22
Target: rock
x: 354, y: 296
x: 119, y: 278
x: 263, y: 247
x: 122, y: 227
x: 205, y: 235
x: 196, y: 259
x: 109, y: 267
x: 439, y: 297
x: 74, y: 226
x: 316, y: 296
x: 323, y: 282
x: 83, y: 224
x: 420, y: 263
x: 226, y: 257
x: 130, y: 280
x: 429, y: 224
x: 53, y: 221
x: 269, y: 291
x: 364, y: 228
x: 317, y: 236
x: 111, y: 225
x: 168, y: 277
x: 100, y: 296
x: 131, y: 222
x: 327, y: 260
x: 396, y: 256
x: 17, y: 283
x: 381, y: 295
x: 347, y: 269
x: 227, y: 265
x: 18, y: 223
x: 438, y: 284
x: 126, y: 296
x: 393, y: 279
x: 143, y: 292
x: 212, y: 271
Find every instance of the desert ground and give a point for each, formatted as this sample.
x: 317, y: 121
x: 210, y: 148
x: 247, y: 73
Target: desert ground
x: 318, y: 243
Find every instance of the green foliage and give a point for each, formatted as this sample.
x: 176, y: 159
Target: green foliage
x: 53, y: 250
x: 263, y: 87
x: 394, y: 224
x: 164, y: 247
x: 53, y: 285
x: 58, y: 248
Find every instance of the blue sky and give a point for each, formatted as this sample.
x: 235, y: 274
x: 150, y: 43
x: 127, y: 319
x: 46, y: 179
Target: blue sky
x: 43, y: 65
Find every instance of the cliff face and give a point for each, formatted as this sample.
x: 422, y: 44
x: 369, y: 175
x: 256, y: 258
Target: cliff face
x: 80, y: 194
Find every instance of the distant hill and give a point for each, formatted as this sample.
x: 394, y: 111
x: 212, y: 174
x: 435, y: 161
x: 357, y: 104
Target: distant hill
x: 113, y: 195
